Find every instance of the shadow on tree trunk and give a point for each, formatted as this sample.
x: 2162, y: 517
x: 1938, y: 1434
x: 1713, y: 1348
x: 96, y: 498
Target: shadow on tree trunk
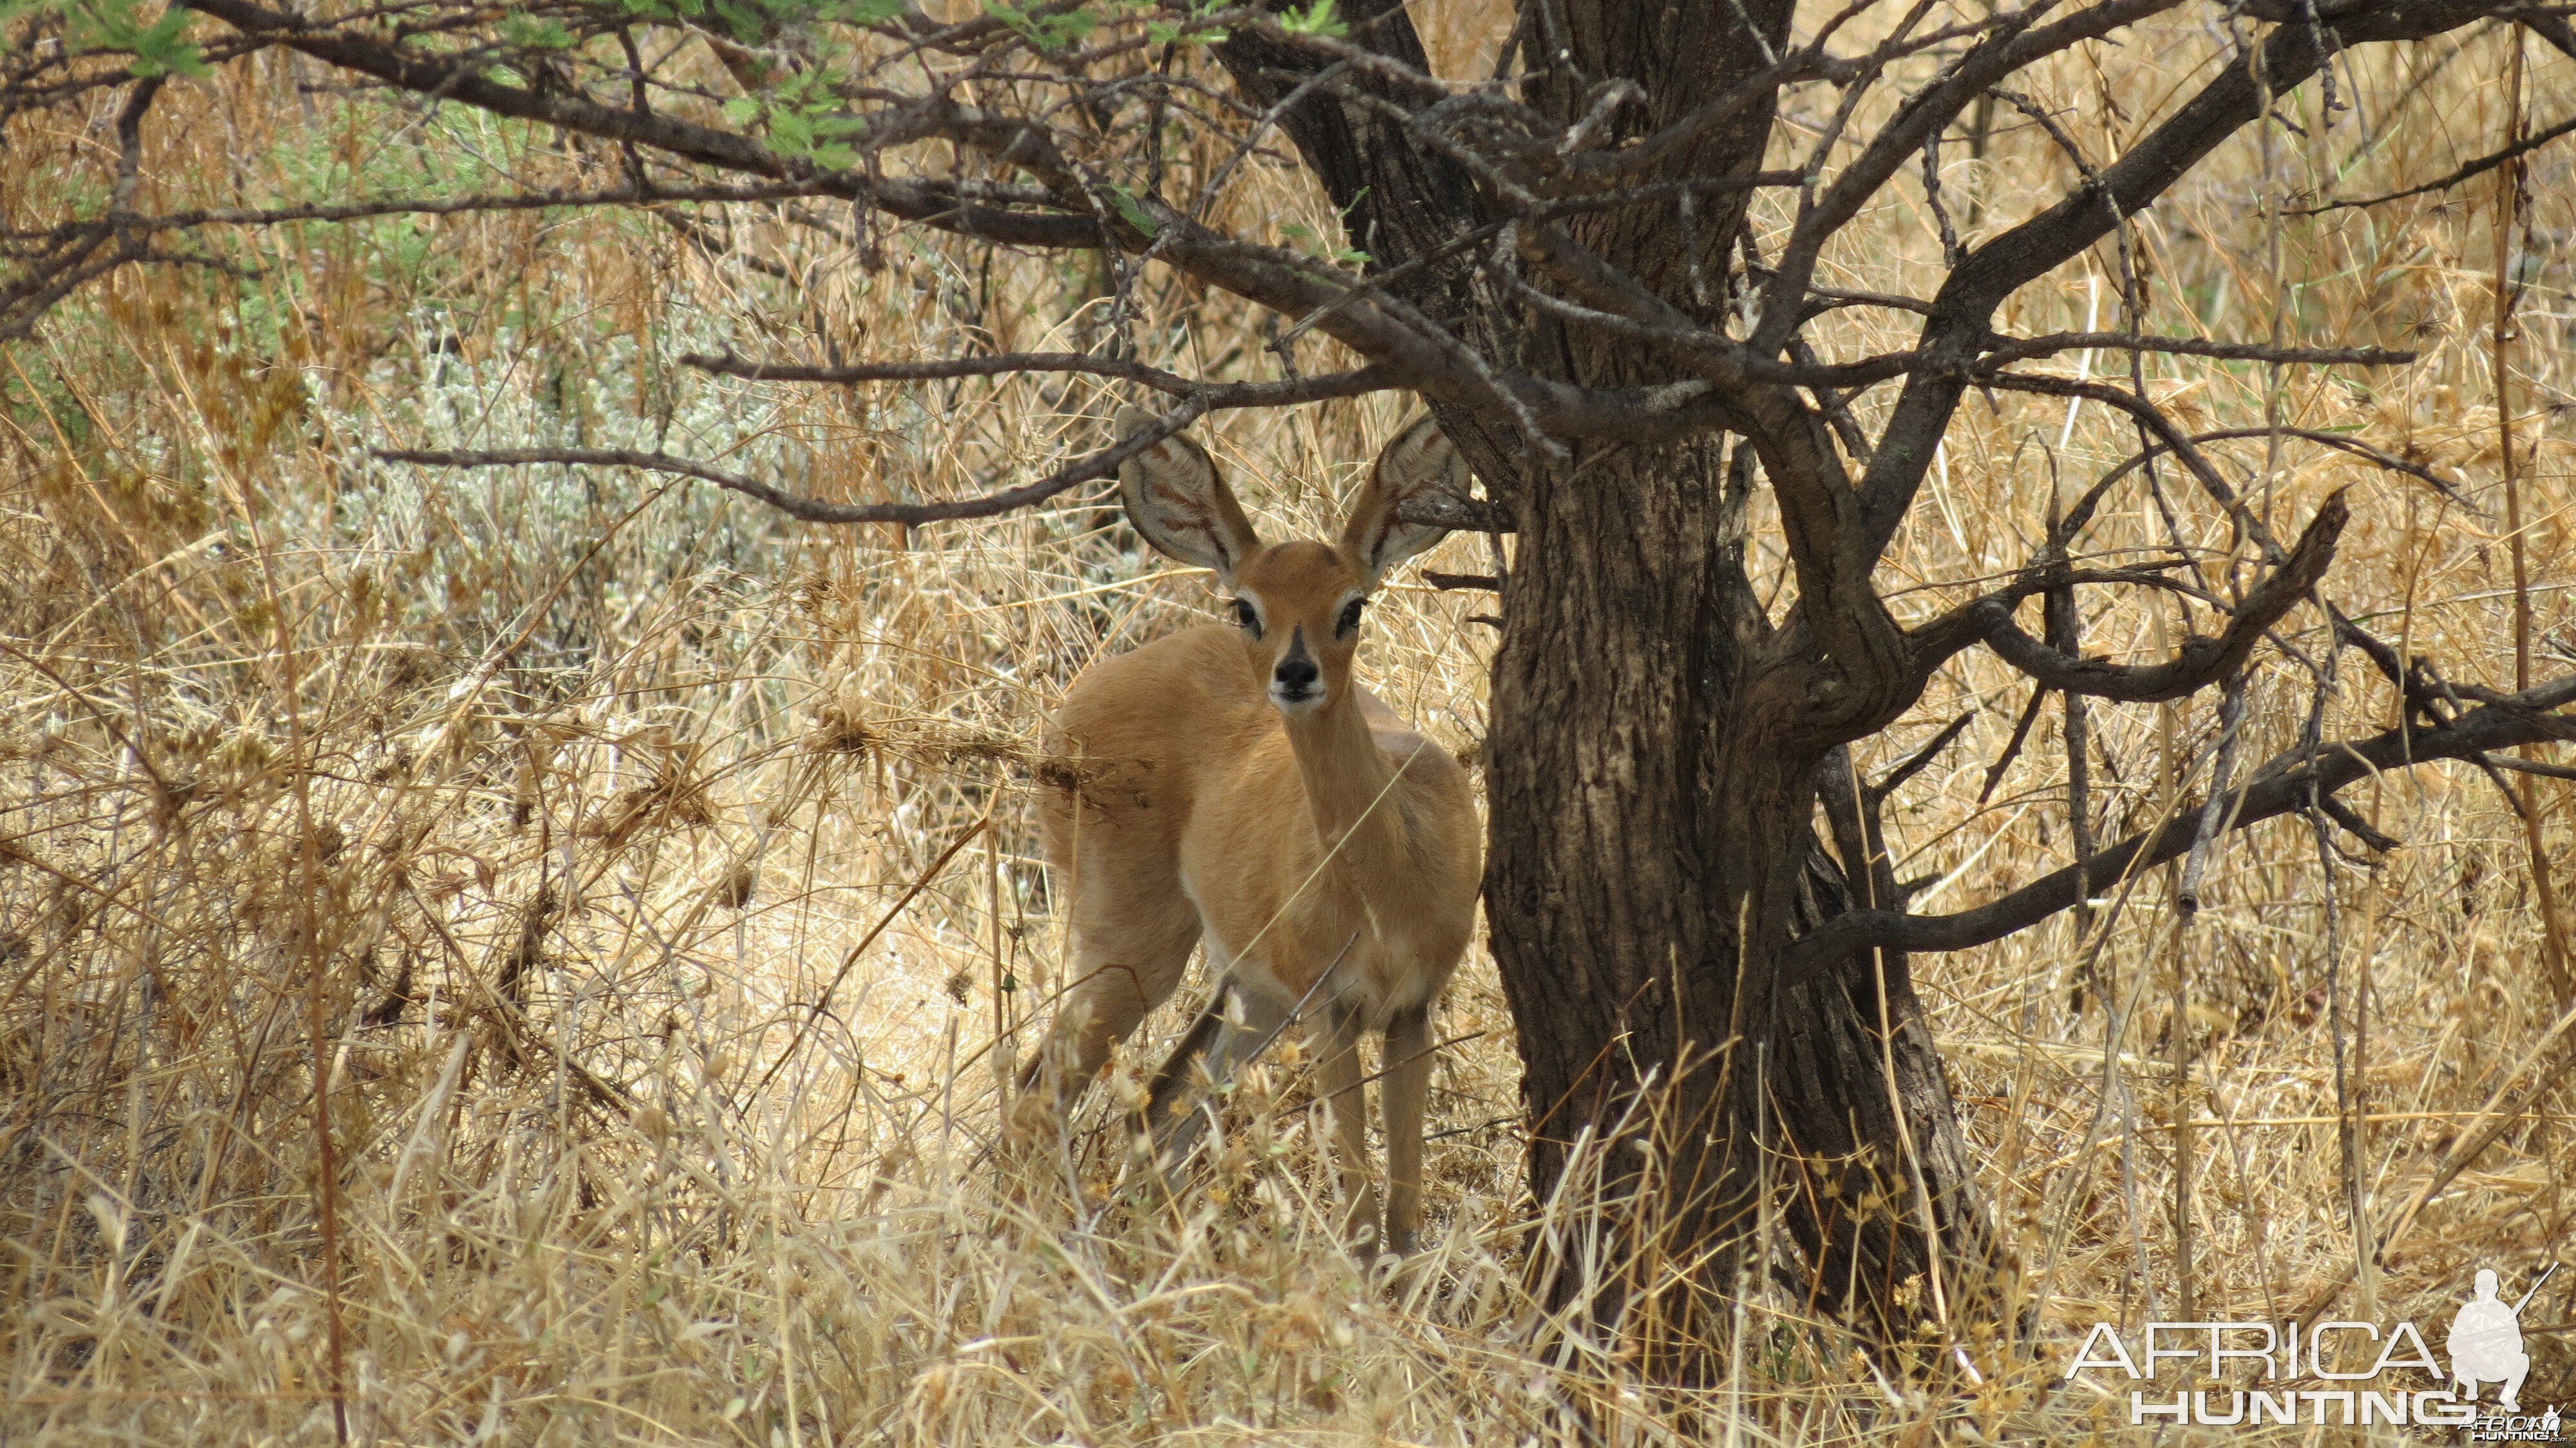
x: 1881, y: 1194
x: 1834, y: 1166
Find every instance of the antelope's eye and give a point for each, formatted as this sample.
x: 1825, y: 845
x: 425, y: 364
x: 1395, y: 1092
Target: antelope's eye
x: 1349, y: 622
x: 1246, y: 617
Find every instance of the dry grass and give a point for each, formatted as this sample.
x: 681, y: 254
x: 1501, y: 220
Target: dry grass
x: 539, y: 814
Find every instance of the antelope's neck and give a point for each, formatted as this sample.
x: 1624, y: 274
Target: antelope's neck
x: 1347, y: 777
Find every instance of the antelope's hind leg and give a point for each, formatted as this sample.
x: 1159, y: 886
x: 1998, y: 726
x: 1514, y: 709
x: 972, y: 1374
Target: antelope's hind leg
x: 1130, y: 951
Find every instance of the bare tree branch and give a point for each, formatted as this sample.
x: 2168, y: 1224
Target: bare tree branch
x: 2528, y: 766
x: 1902, y: 138
x: 2016, y: 349
x: 1439, y: 509
x: 2478, y: 167
x: 2202, y: 660
x: 453, y: 206
x: 2280, y: 787
x: 2379, y: 457
x: 1913, y: 764
x: 2154, y: 420
x: 930, y: 203
x: 998, y: 365
x: 1005, y: 364
x: 2004, y: 263
x: 817, y: 510
x: 1448, y: 510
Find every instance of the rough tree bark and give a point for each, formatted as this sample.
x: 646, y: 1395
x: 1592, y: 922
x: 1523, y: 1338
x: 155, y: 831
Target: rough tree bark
x: 1652, y: 783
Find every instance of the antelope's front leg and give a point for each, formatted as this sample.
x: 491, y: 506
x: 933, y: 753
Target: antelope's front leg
x: 1350, y: 1122
x: 1236, y: 1026
x: 1407, y: 1096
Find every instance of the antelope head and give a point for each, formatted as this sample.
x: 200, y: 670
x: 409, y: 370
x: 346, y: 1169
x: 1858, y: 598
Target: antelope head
x: 1298, y: 604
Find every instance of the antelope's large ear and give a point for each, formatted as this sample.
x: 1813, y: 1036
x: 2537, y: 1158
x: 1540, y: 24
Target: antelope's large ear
x: 1418, y: 461
x: 1176, y: 499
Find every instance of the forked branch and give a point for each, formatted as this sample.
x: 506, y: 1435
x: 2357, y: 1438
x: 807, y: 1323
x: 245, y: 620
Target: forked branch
x: 2286, y: 784
x: 2201, y: 661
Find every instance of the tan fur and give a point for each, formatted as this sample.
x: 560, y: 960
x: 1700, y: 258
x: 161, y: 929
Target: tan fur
x: 1288, y: 838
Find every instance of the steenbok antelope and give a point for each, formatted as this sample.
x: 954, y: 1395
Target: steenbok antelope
x: 1233, y: 784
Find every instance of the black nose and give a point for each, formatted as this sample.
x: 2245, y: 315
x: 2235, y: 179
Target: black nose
x: 1295, y: 674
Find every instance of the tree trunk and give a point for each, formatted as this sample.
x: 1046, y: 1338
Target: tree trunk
x: 1636, y: 849
x: 1653, y: 850
x: 1652, y: 793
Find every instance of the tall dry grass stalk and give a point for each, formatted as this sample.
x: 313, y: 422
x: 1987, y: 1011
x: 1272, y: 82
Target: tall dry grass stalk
x: 649, y: 887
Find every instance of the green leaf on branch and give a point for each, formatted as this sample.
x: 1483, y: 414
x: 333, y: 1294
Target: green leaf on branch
x: 535, y: 32
x: 1133, y: 211
x: 1193, y: 31
x: 159, y: 46
x: 1316, y: 19
x: 1338, y: 255
x: 1047, y: 33
x: 801, y: 117
x: 163, y: 50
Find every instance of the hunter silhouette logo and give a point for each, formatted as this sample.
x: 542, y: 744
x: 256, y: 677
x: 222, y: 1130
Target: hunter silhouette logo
x: 2486, y: 1342
x: 2364, y: 1375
